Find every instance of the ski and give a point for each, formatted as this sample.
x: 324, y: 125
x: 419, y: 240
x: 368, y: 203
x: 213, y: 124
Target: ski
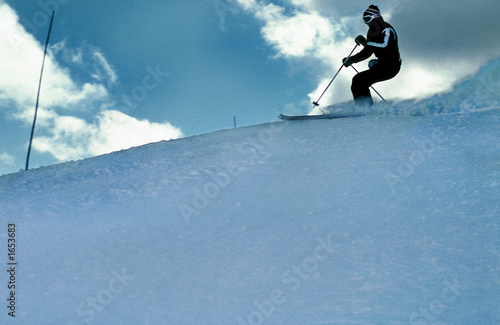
x: 303, y: 117
x: 315, y: 117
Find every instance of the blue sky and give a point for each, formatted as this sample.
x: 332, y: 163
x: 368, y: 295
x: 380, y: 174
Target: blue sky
x: 125, y: 73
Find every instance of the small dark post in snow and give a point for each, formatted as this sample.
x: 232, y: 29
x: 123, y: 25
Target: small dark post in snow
x: 234, y: 121
x: 38, y: 95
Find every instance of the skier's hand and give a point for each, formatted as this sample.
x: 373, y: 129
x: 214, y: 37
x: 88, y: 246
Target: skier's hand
x: 360, y: 40
x: 347, y: 62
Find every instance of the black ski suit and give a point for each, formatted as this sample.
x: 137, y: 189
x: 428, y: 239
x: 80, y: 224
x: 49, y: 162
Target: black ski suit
x: 382, y: 41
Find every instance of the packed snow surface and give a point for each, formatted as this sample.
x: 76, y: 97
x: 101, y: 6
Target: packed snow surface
x: 391, y: 218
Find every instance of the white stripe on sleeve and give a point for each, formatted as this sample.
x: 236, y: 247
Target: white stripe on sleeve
x: 387, y: 33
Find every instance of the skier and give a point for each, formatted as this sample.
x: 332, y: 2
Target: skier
x: 382, y: 41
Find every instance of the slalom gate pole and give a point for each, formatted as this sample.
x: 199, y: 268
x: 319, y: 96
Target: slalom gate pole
x: 38, y: 95
x: 316, y: 103
x: 371, y: 86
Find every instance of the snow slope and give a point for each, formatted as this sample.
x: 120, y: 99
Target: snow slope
x: 386, y: 219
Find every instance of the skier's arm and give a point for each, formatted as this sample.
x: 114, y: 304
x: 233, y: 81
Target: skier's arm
x: 364, y: 54
x: 387, y: 35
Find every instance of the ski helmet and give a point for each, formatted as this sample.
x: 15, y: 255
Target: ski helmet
x: 371, y: 13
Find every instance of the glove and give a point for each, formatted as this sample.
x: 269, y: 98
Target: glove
x: 347, y: 62
x: 360, y: 40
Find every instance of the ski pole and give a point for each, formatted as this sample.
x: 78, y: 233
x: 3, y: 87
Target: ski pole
x: 335, y: 76
x: 371, y: 86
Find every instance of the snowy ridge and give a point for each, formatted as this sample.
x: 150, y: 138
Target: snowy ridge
x: 386, y: 219
x: 473, y: 94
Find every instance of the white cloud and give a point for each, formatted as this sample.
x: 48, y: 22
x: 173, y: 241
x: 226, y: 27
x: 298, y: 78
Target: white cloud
x: 74, y: 138
x: 108, y: 69
x: 61, y: 129
x: 297, y: 35
x: 247, y: 4
x: 20, y: 65
x: 120, y: 131
x: 6, y: 158
x: 300, y: 34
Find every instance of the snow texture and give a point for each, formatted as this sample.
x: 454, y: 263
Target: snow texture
x: 391, y: 218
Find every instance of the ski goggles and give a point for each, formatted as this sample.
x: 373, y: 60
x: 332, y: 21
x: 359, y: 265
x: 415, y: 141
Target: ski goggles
x: 367, y: 19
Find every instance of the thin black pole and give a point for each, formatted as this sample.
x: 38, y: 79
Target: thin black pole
x: 316, y: 103
x: 38, y: 95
